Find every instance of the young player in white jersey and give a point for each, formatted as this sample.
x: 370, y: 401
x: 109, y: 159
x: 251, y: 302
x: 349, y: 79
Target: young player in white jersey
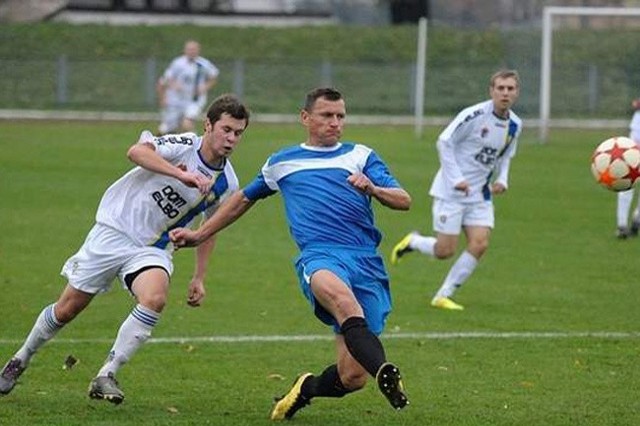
x: 182, y: 89
x: 327, y: 187
x: 177, y: 177
x: 475, y: 152
x: 625, y: 198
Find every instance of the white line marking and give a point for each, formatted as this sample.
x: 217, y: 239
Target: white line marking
x: 410, y: 336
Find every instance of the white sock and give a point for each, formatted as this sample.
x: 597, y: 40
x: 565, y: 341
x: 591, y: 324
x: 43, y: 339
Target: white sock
x: 45, y: 327
x: 458, y: 274
x: 423, y: 244
x: 134, y: 331
x: 625, y: 199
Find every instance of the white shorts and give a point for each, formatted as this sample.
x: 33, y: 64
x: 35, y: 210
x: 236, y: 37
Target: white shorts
x: 107, y: 254
x: 172, y: 115
x: 193, y: 110
x: 449, y: 216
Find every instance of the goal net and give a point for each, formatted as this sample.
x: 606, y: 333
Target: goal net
x: 590, y: 64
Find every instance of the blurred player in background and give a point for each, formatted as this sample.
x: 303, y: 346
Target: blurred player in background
x: 182, y: 89
x: 327, y: 187
x: 176, y: 178
x: 625, y: 198
x: 480, y: 141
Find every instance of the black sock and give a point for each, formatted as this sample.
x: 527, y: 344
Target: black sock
x: 363, y: 345
x: 326, y: 384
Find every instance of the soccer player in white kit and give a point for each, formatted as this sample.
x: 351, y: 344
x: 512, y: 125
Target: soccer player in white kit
x: 625, y: 198
x: 182, y: 89
x: 177, y: 177
x: 475, y: 152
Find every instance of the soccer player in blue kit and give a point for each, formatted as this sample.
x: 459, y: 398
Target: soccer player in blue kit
x: 327, y: 186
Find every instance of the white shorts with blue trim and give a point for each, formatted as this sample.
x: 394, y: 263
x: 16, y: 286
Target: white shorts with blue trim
x: 107, y: 254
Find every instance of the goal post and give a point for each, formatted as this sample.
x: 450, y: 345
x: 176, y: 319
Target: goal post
x: 549, y: 12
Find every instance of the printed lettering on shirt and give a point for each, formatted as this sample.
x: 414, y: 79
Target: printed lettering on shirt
x: 169, y: 201
x: 470, y: 117
x: 183, y: 140
x: 486, y: 156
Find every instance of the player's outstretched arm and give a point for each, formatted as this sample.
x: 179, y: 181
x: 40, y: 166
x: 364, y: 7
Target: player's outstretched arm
x: 394, y: 198
x: 229, y: 212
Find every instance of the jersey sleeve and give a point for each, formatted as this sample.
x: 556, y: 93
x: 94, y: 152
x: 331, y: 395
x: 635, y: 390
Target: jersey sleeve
x: 171, y: 147
x: 211, y: 70
x: 258, y: 189
x: 456, y: 132
x: 376, y: 170
x: 172, y: 70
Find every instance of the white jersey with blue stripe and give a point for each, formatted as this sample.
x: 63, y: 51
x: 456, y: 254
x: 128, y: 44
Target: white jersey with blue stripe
x: 322, y: 208
x: 187, y: 76
x: 145, y: 205
x: 471, y: 148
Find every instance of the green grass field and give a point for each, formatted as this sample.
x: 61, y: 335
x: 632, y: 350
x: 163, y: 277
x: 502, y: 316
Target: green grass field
x: 550, y: 335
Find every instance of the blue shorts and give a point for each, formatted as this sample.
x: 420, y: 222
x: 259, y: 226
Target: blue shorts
x: 362, y: 271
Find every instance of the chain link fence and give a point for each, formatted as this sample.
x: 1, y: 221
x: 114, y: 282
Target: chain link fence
x: 278, y: 86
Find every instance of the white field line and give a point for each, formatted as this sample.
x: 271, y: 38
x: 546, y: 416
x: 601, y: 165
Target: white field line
x: 515, y: 335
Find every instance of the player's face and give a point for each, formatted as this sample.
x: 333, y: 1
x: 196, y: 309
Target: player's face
x: 192, y: 50
x: 324, y: 122
x: 224, y: 134
x: 504, y: 93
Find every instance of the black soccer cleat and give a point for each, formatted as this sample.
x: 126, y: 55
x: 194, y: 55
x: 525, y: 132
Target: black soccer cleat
x: 390, y: 384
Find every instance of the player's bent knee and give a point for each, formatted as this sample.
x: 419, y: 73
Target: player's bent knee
x: 443, y: 253
x: 156, y: 301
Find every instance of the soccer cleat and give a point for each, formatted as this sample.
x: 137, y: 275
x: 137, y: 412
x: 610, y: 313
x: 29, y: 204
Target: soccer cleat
x: 106, y: 387
x: 390, y: 384
x: 446, y: 303
x: 402, y: 248
x: 9, y: 375
x: 622, y: 233
x: 287, y: 405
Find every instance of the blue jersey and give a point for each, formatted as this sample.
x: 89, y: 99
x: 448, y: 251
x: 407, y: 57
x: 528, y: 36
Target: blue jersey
x: 322, y: 208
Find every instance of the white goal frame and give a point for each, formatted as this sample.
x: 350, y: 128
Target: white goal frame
x: 545, y: 64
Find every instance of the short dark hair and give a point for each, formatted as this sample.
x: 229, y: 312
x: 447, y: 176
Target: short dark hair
x: 230, y: 104
x: 328, y: 93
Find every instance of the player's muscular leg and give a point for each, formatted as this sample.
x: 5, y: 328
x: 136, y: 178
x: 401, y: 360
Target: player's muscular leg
x: 477, y: 240
x: 334, y: 295
x: 352, y: 375
x: 445, y: 246
x: 70, y: 303
x: 150, y: 288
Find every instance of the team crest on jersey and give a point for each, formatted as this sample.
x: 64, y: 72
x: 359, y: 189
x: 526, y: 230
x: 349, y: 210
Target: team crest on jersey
x: 484, y: 132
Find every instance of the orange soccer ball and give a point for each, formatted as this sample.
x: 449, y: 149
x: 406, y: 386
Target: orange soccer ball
x: 615, y: 163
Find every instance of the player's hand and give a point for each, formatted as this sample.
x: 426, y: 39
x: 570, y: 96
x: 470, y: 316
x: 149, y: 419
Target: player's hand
x: 463, y: 187
x: 497, y: 188
x: 362, y: 183
x: 196, y: 293
x: 183, y: 237
x: 195, y: 180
